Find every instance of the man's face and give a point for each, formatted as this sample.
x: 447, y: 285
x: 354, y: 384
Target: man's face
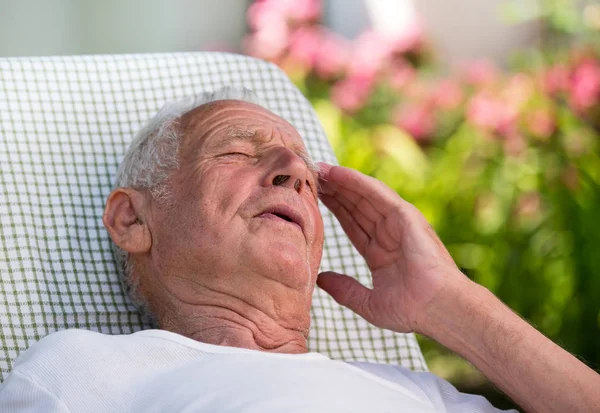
x: 245, y: 212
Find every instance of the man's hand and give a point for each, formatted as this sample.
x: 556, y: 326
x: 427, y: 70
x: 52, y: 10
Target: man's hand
x: 408, y: 262
x: 417, y: 287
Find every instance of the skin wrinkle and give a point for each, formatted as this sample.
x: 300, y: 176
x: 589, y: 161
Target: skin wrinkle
x: 203, y: 250
x: 206, y: 335
x: 252, y: 133
x: 213, y: 290
x: 241, y: 321
x: 197, y: 170
x: 356, y: 209
x: 258, y: 137
x: 200, y: 168
x: 173, y: 311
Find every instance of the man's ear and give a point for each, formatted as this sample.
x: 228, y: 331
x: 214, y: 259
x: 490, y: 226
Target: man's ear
x: 125, y: 219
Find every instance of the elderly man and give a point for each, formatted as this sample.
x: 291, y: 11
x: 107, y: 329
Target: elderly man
x: 217, y: 226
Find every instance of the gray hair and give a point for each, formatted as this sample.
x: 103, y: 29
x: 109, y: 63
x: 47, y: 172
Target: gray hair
x: 150, y: 160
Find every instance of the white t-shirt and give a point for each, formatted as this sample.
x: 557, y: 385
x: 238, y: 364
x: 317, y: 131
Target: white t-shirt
x: 81, y: 371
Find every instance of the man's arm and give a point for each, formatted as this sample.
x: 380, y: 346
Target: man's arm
x: 536, y: 373
x: 417, y: 287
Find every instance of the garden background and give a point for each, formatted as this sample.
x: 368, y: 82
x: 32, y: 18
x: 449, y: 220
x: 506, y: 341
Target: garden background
x: 503, y: 161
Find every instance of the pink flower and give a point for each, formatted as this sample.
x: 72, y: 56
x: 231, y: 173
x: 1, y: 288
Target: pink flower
x: 332, y: 55
x: 480, y: 72
x: 305, y: 43
x: 518, y: 90
x: 261, y: 14
x: 417, y: 120
x: 529, y: 204
x: 556, y: 80
x: 514, y: 144
x: 401, y: 73
x: 419, y: 89
x: 370, y: 53
x: 585, y: 86
x: 301, y: 11
x: 485, y: 112
x: 541, y: 123
x: 447, y: 95
x: 491, y: 114
x: 410, y: 38
x: 351, y: 94
x: 267, y: 43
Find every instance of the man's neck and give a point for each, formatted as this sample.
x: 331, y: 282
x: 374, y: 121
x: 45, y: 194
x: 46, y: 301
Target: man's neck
x: 224, y: 331
x: 219, y: 319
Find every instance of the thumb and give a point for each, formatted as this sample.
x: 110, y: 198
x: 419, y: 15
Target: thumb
x: 347, y: 291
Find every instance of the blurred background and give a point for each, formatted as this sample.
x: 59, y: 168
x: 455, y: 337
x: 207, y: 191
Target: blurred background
x: 484, y: 114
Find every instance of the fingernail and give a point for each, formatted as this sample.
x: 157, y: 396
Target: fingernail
x: 323, y: 168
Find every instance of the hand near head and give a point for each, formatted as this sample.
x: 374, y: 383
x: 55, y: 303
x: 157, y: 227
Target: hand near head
x: 417, y: 287
x: 408, y: 262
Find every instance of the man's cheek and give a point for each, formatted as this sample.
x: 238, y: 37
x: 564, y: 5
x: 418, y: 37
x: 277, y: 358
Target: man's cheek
x: 317, y: 247
x: 319, y: 230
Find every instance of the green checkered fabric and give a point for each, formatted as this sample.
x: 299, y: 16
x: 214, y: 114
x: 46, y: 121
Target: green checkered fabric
x: 65, y: 123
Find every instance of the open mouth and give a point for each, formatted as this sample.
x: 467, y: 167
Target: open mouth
x: 283, y: 216
x: 284, y: 213
x: 278, y: 217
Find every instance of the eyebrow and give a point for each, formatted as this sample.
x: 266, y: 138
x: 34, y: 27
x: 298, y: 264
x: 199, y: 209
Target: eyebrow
x: 236, y: 134
x: 257, y: 138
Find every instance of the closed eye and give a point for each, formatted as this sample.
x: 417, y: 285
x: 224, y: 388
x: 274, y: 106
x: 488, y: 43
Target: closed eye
x: 237, y: 154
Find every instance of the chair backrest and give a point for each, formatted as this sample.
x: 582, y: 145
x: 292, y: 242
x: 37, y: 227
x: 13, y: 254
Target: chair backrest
x: 65, y: 123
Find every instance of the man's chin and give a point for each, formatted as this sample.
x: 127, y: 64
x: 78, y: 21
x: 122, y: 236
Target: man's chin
x: 284, y: 261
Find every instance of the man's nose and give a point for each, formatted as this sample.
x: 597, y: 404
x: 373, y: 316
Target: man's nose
x: 287, y: 169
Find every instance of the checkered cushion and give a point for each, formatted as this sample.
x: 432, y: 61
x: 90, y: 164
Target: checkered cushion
x: 65, y: 123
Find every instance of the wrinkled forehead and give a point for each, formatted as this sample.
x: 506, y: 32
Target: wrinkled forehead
x: 237, y: 119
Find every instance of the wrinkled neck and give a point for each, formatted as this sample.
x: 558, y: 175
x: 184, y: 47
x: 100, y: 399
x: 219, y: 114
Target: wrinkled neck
x: 224, y: 327
x: 271, y: 322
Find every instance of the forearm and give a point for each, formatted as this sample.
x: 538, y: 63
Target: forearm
x: 536, y: 373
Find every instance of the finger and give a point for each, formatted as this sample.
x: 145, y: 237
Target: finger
x: 351, y: 227
x: 337, y: 179
x: 347, y: 291
x: 358, y: 207
x: 366, y: 223
x: 356, y: 202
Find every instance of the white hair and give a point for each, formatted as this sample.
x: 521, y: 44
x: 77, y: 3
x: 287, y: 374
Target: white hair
x: 153, y: 156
